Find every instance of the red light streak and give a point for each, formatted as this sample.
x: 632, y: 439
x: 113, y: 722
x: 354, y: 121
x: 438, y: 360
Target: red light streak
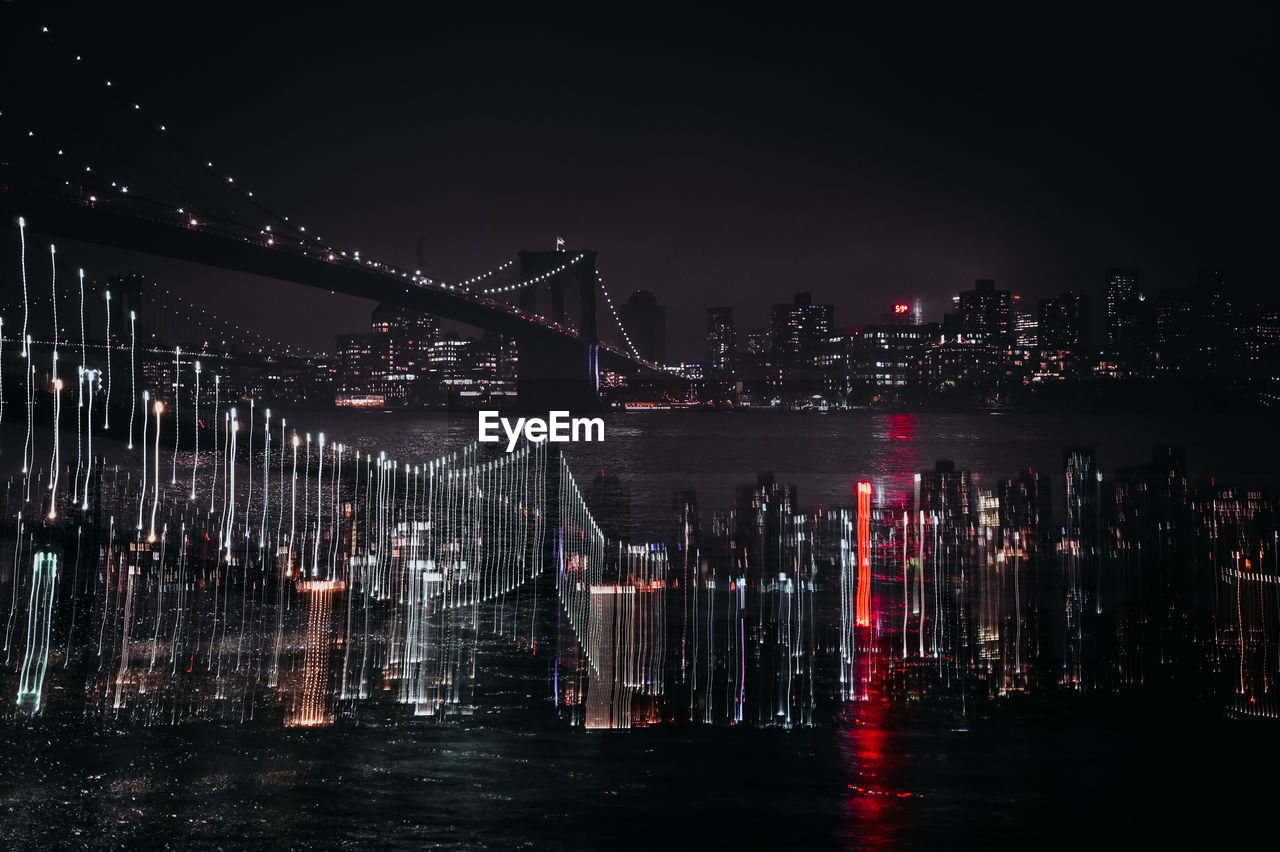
x: 863, y: 617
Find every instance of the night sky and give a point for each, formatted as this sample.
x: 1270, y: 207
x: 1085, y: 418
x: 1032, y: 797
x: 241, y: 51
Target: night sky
x: 713, y: 156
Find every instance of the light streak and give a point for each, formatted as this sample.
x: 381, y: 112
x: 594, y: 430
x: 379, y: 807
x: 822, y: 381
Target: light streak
x: 57, y: 458
x: 142, y: 497
x: 864, y: 554
x: 133, y: 374
x: 22, y: 264
x: 177, y: 429
x: 26, y: 341
x: 195, y: 462
x: 315, y: 556
x: 89, y: 376
x: 35, y: 661
x: 155, y: 502
x: 106, y: 416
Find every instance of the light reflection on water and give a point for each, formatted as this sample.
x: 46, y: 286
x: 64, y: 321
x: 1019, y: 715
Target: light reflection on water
x: 655, y: 452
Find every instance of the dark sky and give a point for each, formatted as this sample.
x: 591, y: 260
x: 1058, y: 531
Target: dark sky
x: 718, y: 155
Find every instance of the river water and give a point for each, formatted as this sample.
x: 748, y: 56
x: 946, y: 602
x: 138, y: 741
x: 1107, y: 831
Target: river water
x: 824, y: 455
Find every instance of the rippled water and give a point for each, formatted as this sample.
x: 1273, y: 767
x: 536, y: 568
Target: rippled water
x: 516, y: 777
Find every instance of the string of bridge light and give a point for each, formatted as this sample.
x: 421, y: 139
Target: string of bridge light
x: 233, y: 327
x: 314, y: 239
x: 476, y: 279
x: 532, y: 281
x: 189, y: 216
x: 118, y: 185
x: 609, y: 301
x: 328, y: 251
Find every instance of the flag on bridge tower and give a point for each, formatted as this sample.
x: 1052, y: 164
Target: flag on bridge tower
x: 559, y: 243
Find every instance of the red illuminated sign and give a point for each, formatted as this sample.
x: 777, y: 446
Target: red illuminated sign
x: 901, y: 309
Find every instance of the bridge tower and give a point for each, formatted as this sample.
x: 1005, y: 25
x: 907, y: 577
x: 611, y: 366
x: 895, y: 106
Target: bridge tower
x: 560, y: 372
x: 581, y: 276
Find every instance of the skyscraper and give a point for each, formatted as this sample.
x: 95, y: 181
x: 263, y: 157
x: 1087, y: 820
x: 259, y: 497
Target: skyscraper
x: 402, y: 340
x: 1218, y: 337
x: 987, y: 312
x: 1124, y: 308
x: 646, y: 323
x: 797, y: 329
x: 722, y: 338
x: 1065, y: 322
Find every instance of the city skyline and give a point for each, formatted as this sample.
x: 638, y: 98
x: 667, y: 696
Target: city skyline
x: 847, y: 156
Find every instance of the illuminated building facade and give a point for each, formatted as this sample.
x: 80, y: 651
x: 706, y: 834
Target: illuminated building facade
x: 985, y: 312
x: 797, y: 330
x: 722, y: 339
x: 1065, y: 322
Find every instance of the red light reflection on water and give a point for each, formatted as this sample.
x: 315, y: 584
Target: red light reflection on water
x: 874, y: 810
x: 900, y: 464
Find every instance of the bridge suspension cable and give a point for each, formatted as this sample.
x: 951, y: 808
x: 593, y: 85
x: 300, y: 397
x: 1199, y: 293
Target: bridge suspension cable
x: 476, y: 279
x: 538, y: 279
x: 609, y: 301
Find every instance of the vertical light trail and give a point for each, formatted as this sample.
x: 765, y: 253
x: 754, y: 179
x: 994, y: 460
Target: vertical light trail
x: 334, y: 542
x: 84, y: 357
x: 29, y: 451
x: 133, y: 373
x: 315, y: 554
x: 863, y: 618
x: 920, y: 571
x: 231, y: 479
x: 906, y: 583
x: 195, y: 463
x: 53, y: 457
x: 80, y: 380
x: 155, y: 502
x: 280, y: 488
x: 179, y: 609
x: 89, y: 376
x: 1017, y: 610
x: 35, y: 661
x: 26, y: 353
x: 106, y: 417
x: 177, y: 427
x: 266, y: 480
x: 57, y: 460
x: 13, y: 606
x: 248, y: 500
x: 293, y: 504
x: 22, y: 263
x: 75, y: 486
x: 274, y: 677
x: 217, y: 441
x: 53, y: 286
x: 142, y: 485
x: 306, y: 502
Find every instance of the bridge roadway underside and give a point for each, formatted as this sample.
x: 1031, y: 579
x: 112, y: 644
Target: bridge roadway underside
x: 556, y: 370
